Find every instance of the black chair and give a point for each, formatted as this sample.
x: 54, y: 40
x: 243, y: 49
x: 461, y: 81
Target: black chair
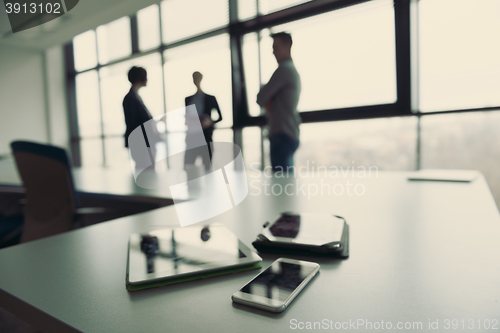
x: 52, y: 204
x: 11, y: 215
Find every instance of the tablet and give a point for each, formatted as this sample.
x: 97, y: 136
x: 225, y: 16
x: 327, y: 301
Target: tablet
x: 305, y: 234
x: 180, y: 254
x: 306, y: 229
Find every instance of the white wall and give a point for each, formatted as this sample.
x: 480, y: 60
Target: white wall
x: 22, y: 100
x: 32, y: 97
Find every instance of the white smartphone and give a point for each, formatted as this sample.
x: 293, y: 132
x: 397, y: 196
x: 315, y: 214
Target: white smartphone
x: 276, y: 286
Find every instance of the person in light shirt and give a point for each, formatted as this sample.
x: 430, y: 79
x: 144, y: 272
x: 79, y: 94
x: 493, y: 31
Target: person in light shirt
x: 280, y: 97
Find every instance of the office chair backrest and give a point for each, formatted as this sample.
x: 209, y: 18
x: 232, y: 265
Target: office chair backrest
x: 51, y: 200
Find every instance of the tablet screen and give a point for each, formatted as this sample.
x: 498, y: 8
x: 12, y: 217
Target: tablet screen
x: 181, y: 251
x: 312, y: 229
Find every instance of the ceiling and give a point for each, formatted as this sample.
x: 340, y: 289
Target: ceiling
x: 88, y: 14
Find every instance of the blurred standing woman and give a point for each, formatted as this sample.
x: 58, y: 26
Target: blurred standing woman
x: 136, y: 114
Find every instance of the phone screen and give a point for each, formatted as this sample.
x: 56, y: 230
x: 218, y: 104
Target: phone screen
x: 278, y: 281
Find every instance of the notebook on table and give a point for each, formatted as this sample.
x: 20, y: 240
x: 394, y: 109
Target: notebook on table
x: 443, y: 175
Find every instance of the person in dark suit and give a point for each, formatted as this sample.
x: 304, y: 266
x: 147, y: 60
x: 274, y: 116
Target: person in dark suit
x: 204, y: 103
x: 136, y: 114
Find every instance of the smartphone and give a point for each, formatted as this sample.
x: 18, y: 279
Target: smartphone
x: 274, y: 288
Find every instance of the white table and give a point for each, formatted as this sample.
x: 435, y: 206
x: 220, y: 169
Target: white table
x: 419, y: 251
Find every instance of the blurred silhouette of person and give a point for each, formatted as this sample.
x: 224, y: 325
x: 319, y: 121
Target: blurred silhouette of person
x: 280, y: 97
x: 136, y: 114
x: 204, y: 103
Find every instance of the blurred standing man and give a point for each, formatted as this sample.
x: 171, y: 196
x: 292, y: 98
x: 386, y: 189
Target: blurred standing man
x: 280, y: 97
x: 204, y: 103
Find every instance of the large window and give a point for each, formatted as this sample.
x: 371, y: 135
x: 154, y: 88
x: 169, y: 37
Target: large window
x: 92, y: 152
x: 252, y: 146
x: 459, y: 54
x: 100, y: 89
x: 388, y: 144
x: 212, y: 58
x: 252, y: 71
x: 248, y: 9
x: 345, y: 58
x: 353, y: 61
x: 464, y: 141
x: 187, y: 18
x: 113, y: 40
x: 115, y: 85
x: 148, y: 25
x: 270, y: 6
x: 87, y: 93
x: 85, y: 50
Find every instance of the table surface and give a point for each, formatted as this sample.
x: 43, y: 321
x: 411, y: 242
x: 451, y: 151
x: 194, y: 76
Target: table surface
x: 420, y: 252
